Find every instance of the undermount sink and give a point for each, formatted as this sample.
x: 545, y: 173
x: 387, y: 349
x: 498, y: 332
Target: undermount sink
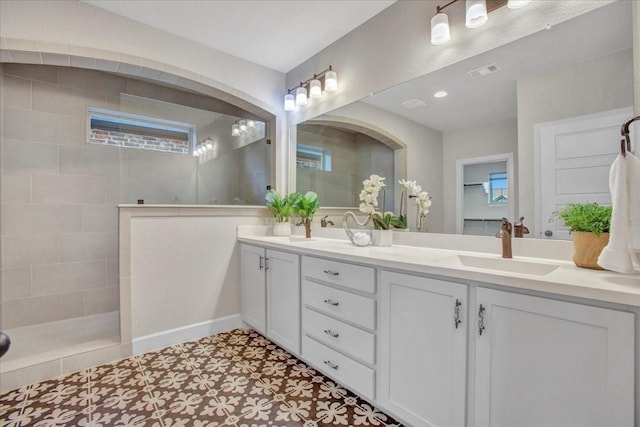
x: 507, y: 265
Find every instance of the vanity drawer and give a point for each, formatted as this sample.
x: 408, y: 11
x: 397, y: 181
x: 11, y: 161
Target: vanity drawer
x: 356, y: 342
x: 340, y: 273
x: 352, y: 374
x: 345, y: 305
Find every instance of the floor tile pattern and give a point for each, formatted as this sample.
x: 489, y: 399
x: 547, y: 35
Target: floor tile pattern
x: 238, y: 379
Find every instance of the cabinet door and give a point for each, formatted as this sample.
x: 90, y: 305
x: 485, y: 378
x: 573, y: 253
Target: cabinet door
x: 253, y: 287
x: 422, y: 349
x: 541, y: 362
x: 283, y: 299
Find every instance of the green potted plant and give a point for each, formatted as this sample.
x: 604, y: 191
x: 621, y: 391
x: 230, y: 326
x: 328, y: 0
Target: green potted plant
x: 306, y: 205
x: 282, y: 208
x: 589, y: 223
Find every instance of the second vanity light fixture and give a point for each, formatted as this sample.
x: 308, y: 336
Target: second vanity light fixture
x: 242, y: 126
x: 476, y: 15
x: 297, y: 96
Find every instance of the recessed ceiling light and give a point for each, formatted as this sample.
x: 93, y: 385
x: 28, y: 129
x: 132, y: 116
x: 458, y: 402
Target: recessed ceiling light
x: 440, y: 94
x: 413, y: 103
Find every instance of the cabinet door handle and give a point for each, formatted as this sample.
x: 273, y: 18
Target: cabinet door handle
x: 331, y: 333
x: 331, y: 273
x: 261, y: 265
x: 266, y: 263
x: 456, y: 314
x: 331, y: 365
x: 481, y: 326
x: 331, y: 302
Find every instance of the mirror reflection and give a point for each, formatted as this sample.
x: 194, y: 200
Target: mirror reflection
x: 502, y: 101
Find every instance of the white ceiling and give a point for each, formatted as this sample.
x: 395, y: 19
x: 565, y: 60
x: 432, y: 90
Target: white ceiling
x: 276, y: 34
x: 476, y: 101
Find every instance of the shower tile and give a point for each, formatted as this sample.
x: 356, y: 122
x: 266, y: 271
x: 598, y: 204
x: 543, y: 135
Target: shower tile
x: 37, y: 126
x: 24, y: 250
x: 17, y: 93
x: 63, y: 100
x: 150, y: 90
x: 95, y: 357
x: 30, y: 311
x: 99, y: 218
x: 53, y: 279
x: 23, y: 156
x: 16, y: 188
x: 90, y: 159
x: 16, y: 283
x: 41, y: 73
x: 101, y: 300
x: 60, y: 189
x: 41, y: 219
x: 113, y: 278
x: 89, y: 80
x: 32, y: 374
x: 88, y: 246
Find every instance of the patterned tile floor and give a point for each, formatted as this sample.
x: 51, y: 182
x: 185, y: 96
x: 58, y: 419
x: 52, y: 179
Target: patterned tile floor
x: 238, y: 378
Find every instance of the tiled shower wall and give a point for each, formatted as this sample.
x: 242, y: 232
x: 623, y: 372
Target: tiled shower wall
x: 60, y: 194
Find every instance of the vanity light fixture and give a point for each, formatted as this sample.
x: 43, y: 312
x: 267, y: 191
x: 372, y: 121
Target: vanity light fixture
x: 301, y: 95
x: 515, y: 4
x: 235, y: 129
x: 209, y: 144
x: 251, y: 123
x: 440, y: 33
x: 476, y: 15
x: 289, y: 102
x: 242, y: 124
x: 314, y: 87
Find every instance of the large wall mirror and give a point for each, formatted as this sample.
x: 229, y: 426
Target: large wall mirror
x: 565, y: 87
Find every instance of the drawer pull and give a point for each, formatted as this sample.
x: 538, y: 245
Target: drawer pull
x: 331, y: 273
x: 331, y: 333
x: 331, y: 365
x: 481, y: 326
x: 331, y: 302
x: 456, y: 314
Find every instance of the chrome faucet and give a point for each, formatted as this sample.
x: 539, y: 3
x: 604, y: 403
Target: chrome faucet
x: 324, y: 222
x: 505, y: 234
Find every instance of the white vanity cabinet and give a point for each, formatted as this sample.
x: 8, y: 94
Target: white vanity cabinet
x: 339, y: 321
x: 423, y: 349
x: 270, y: 293
x: 542, y: 362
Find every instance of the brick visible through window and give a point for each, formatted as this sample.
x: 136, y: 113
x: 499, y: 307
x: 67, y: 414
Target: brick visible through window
x: 144, y: 133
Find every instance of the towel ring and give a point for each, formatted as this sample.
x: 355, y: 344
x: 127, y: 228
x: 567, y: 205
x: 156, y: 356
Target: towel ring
x: 625, y: 143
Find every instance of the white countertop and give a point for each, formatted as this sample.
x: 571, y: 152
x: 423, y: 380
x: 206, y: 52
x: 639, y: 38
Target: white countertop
x: 567, y: 279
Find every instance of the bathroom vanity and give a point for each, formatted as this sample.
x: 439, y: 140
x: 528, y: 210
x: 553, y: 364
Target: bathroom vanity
x: 439, y: 337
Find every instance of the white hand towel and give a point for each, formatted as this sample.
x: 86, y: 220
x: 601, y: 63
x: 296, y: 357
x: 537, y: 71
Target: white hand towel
x: 633, y: 175
x: 616, y: 256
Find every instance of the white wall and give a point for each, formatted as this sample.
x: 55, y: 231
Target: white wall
x: 595, y: 85
x: 494, y: 138
x: 184, y: 270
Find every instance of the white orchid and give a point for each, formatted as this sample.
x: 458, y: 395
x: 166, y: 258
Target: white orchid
x: 420, y: 198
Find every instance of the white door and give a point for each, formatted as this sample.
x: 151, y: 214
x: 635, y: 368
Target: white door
x: 540, y: 362
x: 573, y: 158
x: 422, y: 350
x: 253, y: 287
x: 283, y: 299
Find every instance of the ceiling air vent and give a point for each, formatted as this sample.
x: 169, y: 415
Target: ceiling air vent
x: 413, y: 103
x: 484, y: 71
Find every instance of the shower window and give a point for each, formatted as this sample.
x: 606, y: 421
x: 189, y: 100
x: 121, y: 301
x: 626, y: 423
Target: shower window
x: 142, y: 132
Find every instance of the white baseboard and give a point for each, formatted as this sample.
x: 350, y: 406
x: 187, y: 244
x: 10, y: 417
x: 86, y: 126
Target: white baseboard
x: 185, y: 333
